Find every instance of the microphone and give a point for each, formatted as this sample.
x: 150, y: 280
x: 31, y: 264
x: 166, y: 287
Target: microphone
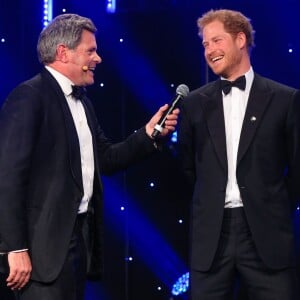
x: 181, y: 91
x: 85, y: 68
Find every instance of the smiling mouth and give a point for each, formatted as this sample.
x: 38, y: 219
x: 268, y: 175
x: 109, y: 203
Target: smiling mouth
x: 217, y: 58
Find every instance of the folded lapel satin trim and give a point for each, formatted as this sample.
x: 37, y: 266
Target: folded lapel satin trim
x: 214, y: 114
x: 92, y: 122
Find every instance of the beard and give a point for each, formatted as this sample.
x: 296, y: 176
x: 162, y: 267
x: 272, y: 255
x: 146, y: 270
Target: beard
x: 227, y: 66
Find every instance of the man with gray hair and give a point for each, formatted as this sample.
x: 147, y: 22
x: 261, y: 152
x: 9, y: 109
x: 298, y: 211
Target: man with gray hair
x: 52, y: 154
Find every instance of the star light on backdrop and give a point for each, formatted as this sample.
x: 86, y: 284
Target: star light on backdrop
x: 149, y: 245
x: 137, y: 72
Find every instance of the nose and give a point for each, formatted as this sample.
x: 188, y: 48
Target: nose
x: 208, y: 49
x: 98, y: 59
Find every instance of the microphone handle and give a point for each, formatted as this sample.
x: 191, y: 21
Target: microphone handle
x: 160, y: 125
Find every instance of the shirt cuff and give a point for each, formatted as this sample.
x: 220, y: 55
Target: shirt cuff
x: 17, y: 251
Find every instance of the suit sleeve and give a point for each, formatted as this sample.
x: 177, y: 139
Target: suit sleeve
x: 293, y: 148
x: 113, y: 157
x: 186, y: 146
x: 18, y: 128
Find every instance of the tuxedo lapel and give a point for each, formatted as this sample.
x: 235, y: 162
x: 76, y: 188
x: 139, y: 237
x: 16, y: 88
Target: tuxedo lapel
x: 73, y: 142
x: 71, y: 133
x: 89, y: 118
x: 214, y: 114
x: 92, y: 123
x: 257, y: 103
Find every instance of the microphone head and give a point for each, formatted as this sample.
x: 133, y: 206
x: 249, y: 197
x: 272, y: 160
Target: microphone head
x: 85, y: 68
x: 182, y: 90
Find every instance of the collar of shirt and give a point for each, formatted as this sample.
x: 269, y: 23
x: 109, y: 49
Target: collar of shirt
x: 64, y: 82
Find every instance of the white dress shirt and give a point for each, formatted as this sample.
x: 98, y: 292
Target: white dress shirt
x: 234, y: 104
x: 84, y: 137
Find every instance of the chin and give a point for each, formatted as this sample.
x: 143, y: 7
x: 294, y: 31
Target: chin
x: 217, y: 71
x: 90, y: 82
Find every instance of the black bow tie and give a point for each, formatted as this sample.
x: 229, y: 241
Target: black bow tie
x: 239, y: 83
x: 78, y: 92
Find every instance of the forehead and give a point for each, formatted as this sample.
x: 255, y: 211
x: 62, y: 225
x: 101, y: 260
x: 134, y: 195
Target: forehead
x: 87, y: 37
x: 212, y: 29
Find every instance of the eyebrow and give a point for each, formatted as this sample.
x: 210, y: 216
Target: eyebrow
x: 213, y: 38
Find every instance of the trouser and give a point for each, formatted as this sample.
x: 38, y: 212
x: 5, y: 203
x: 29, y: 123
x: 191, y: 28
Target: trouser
x: 237, y: 257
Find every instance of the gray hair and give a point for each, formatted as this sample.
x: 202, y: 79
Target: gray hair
x: 64, y: 29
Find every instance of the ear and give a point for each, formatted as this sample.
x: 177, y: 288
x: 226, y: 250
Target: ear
x: 62, y: 53
x: 241, y: 40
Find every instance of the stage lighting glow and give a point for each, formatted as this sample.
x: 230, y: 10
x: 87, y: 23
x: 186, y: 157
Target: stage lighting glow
x: 174, y: 137
x: 152, y: 184
x: 48, y: 12
x: 3, y: 40
x: 182, y: 285
x: 111, y: 6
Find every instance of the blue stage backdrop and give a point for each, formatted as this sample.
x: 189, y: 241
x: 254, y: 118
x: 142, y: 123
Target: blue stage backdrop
x: 148, y: 48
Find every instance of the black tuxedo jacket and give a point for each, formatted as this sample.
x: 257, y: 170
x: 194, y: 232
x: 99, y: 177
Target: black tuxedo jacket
x: 268, y: 168
x: 40, y: 174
